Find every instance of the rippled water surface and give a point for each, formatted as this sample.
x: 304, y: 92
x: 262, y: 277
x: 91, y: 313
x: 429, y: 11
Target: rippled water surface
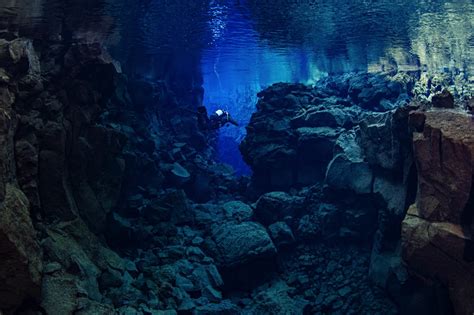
x: 329, y: 35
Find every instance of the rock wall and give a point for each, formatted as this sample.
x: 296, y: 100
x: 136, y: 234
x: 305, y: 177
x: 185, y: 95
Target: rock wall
x: 78, y: 154
x: 293, y: 122
x: 437, y: 231
x: 100, y: 172
x: 341, y: 134
x: 61, y: 172
x: 347, y: 146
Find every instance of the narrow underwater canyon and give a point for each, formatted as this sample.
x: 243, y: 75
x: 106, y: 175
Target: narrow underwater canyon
x: 112, y: 200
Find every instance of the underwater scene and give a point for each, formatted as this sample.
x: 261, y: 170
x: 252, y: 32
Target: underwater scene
x: 224, y: 157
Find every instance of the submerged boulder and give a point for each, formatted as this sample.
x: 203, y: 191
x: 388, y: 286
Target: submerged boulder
x: 239, y: 244
x: 348, y: 170
x: 352, y: 175
x: 275, y: 206
x: 178, y: 175
x: 281, y: 234
x: 237, y: 210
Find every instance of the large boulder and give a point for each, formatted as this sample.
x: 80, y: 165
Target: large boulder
x: 275, y: 206
x: 239, y: 244
x: 237, y: 210
x: 348, y: 170
x: 348, y: 175
x: 284, y: 134
x: 291, y: 138
x: 281, y: 234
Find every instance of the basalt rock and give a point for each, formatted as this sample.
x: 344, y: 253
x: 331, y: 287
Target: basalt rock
x: 275, y: 206
x: 281, y: 234
x: 436, y: 232
x: 239, y: 244
x: 291, y: 138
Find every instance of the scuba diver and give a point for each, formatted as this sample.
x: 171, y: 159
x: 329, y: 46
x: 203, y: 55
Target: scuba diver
x: 217, y: 120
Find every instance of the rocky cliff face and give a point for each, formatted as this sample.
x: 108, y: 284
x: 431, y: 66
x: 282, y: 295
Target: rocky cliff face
x: 87, y: 166
x: 54, y: 174
x: 437, y: 232
x: 348, y: 139
x: 354, y: 137
x: 295, y: 146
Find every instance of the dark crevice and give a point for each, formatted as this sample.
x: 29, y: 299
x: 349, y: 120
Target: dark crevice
x: 412, y: 187
x: 445, y: 253
x: 467, y: 218
x: 440, y: 151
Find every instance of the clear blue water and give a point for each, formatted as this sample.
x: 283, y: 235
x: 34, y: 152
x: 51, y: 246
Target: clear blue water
x: 257, y: 43
x: 246, y: 45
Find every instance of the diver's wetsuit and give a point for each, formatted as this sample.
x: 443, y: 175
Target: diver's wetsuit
x: 217, y: 120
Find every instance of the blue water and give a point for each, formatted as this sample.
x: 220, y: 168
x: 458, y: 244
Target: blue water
x: 246, y: 45
x: 257, y: 43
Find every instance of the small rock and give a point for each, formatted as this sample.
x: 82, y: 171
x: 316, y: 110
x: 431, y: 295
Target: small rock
x: 344, y: 291
x: 184, y: 283
x: 195, y: 253
x: 178, y: 174
x: 281, y: 234
x: 131, y: 267
x: 51, y: 268
x: 211, y: 294
x: 332, y: 266
x: 197, y: 241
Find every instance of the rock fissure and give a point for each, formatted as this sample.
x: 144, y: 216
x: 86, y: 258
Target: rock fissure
x: 132, y: 215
